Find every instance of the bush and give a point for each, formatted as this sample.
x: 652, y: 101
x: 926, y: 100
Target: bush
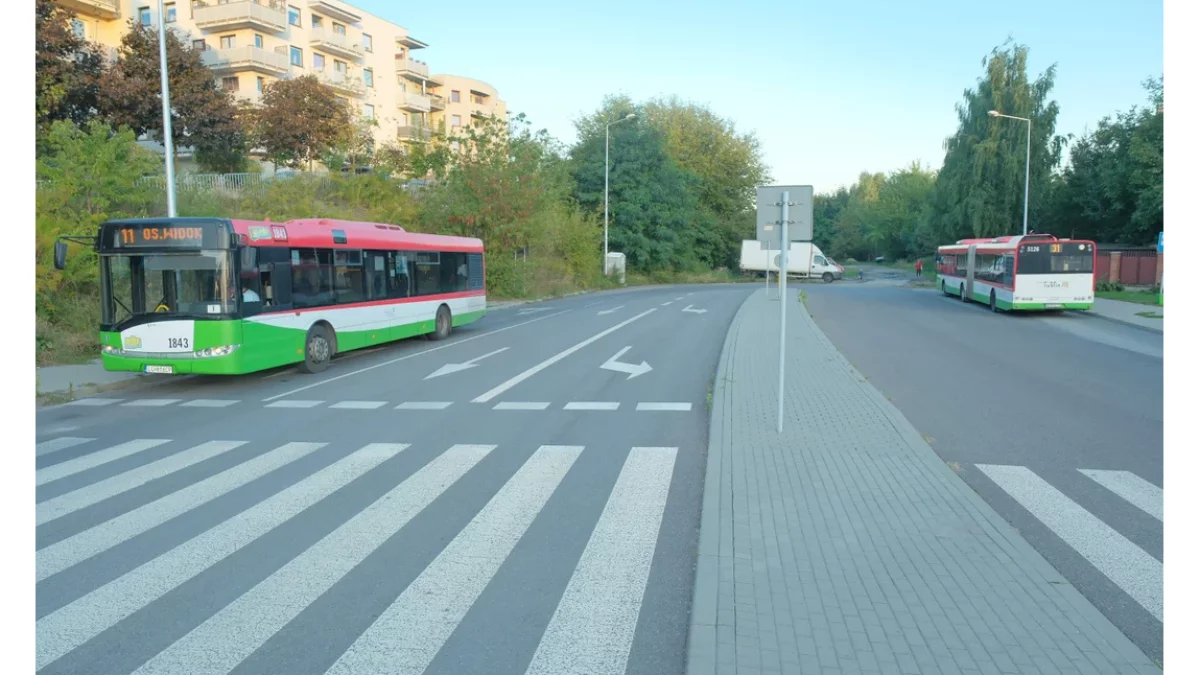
x: 1109, y: 287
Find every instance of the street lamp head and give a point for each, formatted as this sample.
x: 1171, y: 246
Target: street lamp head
x: 993, y: 113
x: 630, y: 116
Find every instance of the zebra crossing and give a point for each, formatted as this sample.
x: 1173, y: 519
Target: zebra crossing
x: 591, y: 630
x: 306, y: 404
x: 1137, y: 573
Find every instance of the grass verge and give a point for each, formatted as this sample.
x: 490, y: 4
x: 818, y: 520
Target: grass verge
x: 1140, y: 297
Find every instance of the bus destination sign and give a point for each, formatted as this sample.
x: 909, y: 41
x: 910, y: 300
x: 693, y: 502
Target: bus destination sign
x: 158, y: 236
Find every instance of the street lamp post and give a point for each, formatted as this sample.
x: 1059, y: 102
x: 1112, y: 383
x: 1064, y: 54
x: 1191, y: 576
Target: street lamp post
x: 606, y: 126
x: 1028, y: 148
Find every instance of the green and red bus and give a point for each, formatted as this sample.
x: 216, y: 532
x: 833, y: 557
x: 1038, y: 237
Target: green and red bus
x: 225, y: 297
x: 1021, y: 272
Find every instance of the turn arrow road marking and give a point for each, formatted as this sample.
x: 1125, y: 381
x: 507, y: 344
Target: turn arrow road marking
x: 465, y: 365
x: 633, y: 370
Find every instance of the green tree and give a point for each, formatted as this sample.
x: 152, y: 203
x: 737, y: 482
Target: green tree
x: 827, y: 209
x: 203, y: 117
x: 979, y: 190
x: 850, y: 232
x: 68, y: 69
x: 895, y: 218
x: 299, y: 121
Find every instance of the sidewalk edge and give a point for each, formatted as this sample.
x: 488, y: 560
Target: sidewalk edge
x: 1123, y: 322
x: 701, y: 652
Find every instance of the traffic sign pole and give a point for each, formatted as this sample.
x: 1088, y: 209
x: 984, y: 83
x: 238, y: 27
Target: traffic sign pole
x: 783, y: 302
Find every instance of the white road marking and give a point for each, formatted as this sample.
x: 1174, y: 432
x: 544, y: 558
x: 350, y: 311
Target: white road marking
x: 358, y: 405
x: 604, y: 596
x: 1132, y: 488
x: 592, y: 405
x: 74, y: 550
x: 630, y: 369
x: 521, y: 377
x: 424, y: 405
x: 409, y: 356
x: 98, y: 492
x: 287, y: 371
x: 522, y: 405
x: 666, y: 303
x: 71, y: 626
x: 94, y: 402
x: 661, y: 407
x: 152, y: 402
x: 294, y: 404
x: 407, y: 636
x: 95, y: 459
x: 47, y: 447
x: 208, y: 403
x: 609, y: 310
x: 465, y: 365
x: 244, y: 625
x: 679, y: 298
x: 1129, y: 567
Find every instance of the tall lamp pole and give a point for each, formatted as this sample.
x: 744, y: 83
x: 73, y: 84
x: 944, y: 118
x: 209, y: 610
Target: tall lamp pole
x: 606, y: 126
x: 168, y: 144
x: 1028, y: 147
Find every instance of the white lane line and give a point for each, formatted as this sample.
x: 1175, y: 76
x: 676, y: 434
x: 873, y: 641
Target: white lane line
x: 1132, y: 488
x: 1129, y: 567
x: 95, y: 459
x: 413, y: 355
x: 592, y: 405
x: 679, y: 298
x: 47, y: 447
x: 522, y: 405
x: 660, y: 407
x: 98, y: 492
x: 281, y: 373
x: 666, y: 303
x: 74, y: 550
x: 71, y: 626
x: 208, y: 403
x: 94, y: 402
x: 424, y: 405
x: 152, y: 402
x: 521, y: 377
x: 242, y: 626
x: 294, y: 404
x: 604, y: 596
x: 358, y: 405
x: 408, y: 635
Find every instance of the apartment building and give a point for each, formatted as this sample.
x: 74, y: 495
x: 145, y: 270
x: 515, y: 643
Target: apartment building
x: 462, y: 101
x: 368, y: 61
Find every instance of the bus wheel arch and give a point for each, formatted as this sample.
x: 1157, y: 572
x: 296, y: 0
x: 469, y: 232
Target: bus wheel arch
x: 443, y: 323
x: 320, y: 345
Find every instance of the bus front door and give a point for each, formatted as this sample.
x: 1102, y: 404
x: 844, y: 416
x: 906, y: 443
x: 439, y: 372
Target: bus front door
x: 971, y: 272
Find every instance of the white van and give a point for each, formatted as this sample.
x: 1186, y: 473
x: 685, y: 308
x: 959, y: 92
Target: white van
x: 804, y: 261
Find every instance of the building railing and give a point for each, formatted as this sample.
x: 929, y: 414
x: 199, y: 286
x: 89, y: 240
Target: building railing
x: 338, y: 41
x: 272, y: 14
x: 437, y: 102
x: 343, y: 82
x: 247, y: 56
x: 414, y: 133
x: 412, y: 66
x: 413, y: 101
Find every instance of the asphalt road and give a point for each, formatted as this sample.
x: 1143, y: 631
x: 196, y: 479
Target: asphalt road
x: 526, y: 510
x: 1056, y: 420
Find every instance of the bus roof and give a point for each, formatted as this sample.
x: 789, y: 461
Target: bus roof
x: 319, y: 232
x: 1008, y: 241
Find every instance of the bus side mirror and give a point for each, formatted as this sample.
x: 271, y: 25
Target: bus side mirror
x: 60, y: 254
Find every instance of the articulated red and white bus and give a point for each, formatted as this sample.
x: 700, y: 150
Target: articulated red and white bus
x: 1020, y: 272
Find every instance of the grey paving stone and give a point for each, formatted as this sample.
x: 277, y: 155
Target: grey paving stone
x: 846, y: 545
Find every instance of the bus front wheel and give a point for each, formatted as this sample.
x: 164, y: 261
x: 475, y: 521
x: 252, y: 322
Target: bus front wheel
x: 442, y: 324
x: 318, y: 350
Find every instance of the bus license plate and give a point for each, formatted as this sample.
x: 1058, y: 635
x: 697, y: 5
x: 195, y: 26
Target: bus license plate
x: 164, y: 370
x: 1053, y: 305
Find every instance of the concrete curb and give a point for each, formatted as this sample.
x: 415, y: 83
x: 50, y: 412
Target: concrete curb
x: 47, y: 399
x: 1113, y: 319
x: 701, y: 655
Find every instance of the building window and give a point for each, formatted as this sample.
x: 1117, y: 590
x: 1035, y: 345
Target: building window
x: 339, y: 66
x: 454, y: 146
x: 339, y: 29
x: 367, y: 42
x: 343, y: 100
x: 170, y: 7
x: 259, y: 82
x: 293, y: 16
x: 316, y: 21
x: 369, y: 111
x: 258, y: 41
x: 199, y: 45
x: 144, y: 16
x: 403, y: 119
x: 455, y: 97
x: 297, y: 57
x: 228, y: 41
x: 369, y: 77
x: 318, y: 61
x: 229, y: 83
x: 79, y: 28
x: 455, y: 121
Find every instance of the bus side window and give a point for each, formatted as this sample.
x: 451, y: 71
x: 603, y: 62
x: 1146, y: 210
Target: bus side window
x: 281, y: 285
x: 1008, y: 270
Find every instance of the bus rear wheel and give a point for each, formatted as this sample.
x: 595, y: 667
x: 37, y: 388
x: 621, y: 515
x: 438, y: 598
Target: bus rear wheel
x: 442, y: 324
x: 318, y: 350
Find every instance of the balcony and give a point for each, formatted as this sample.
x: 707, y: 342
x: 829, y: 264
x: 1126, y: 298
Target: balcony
x: 412, y: 69
x: 265, y: 16
x: 414, y: 102
x: 437, y: 102
x: 336, y: 43
x: 104, y: 9
x: 410, y: 133
x: 334, y: 10
x: 246, y: 58
x: 343, y: 82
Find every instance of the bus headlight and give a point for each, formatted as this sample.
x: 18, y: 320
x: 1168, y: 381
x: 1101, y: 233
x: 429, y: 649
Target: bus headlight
x: 110, y: 350
x: 211, y: 352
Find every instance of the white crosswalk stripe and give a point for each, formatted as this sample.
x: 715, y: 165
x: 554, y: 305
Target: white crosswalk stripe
x: 74, y: 466
x: 57, y: 444
x: 1132, y: 488
x: 1134, y: 571
x: 87, y: 612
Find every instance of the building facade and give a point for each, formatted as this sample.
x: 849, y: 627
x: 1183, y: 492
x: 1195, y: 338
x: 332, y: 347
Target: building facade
x: 368, y: 61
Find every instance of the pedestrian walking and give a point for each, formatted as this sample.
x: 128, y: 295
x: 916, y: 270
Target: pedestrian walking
x: 920, y: 266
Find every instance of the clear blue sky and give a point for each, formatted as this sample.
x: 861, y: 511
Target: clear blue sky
x: 831, y: 89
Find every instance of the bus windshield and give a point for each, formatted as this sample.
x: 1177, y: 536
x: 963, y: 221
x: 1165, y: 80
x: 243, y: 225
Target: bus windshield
x: 195, y: 284
x: 1056, y: 258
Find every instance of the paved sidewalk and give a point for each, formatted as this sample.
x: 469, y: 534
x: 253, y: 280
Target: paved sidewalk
x: 845, y: 545
x: 79, y: 378
x: 1127, y: 312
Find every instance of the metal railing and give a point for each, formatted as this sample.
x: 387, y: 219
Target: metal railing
x: 437, y: 102
x: 343, y: 82
x: 335, y: 41
x: 245, y: 57
x: 404, y: 65
x: 412, y: 101
x: 271, y: 15
x: 414, y: 133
